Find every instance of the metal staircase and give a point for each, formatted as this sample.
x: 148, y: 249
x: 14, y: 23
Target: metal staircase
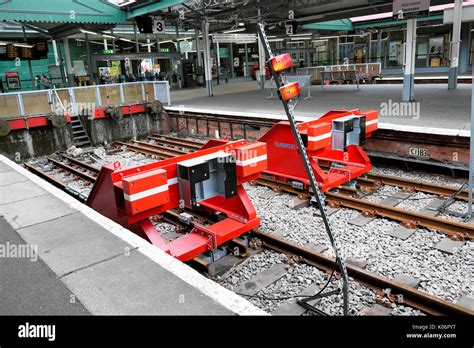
x: 80, y: 136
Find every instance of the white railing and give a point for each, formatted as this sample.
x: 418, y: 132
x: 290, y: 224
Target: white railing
x: 101, y: 96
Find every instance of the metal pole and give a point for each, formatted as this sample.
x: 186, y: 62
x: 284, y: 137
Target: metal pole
x: 33, y: 84
x: 67, y: 53
x: 61, y: 65
x: 246, y: 67
x: 261, y: 56
x: 135, y: 34
x: 88, y: 56
x: 198, y: 49
x: 158, y: 48
x: 106, y: 45
x: 231, y: 56
x: 379, y: 46
x: 409, y: 73
x: 471, y: 149
x: 455, y: 45
x: 218, y: 63
x: 207, y: 57
x: 318, y: 196
x: 113, y: 40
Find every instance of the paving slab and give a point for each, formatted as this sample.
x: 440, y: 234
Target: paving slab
x: 297, y: 203
x: 435, y: 204
x: 135, y: 285
x: 376, y: 310
x: 429, y: 212
x: 449, y: 246
x: 290, y: 307
x: 261, y: 280
x: 11, y: 177
x: 401, y: 232
x: 360, y: 220
x: 466, y: 302
x: 358, y: 262
x: 5, y: 168
x: 407, y: 279
x: 50, y: 208
x: 72, y: 242
x: 19, y: 191
x: 28, y: 286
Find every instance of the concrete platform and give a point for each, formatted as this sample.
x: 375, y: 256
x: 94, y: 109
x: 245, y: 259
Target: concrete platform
x: 83, y: 263
x: 436, y: 102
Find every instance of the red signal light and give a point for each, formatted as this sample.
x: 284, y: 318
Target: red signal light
x: 290, y: 91
x: 281, y: 62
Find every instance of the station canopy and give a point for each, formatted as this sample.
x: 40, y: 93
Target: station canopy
x: 64, y: 18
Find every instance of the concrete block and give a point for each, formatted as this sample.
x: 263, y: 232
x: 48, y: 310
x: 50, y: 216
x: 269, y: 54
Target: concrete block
x: 19, y: 191
x: 290, y: 307
x: 402, y: 195
x: 269, y: 194
x: 361, y: 263
x: 261, y: 280
x: 407, y: 279
x: 26, y: 213
x: 297, y: 203
x: 401, y: 232
x: 391, y: 201
x: 376, y: 310
x: 360, y: 220
x: 135, y: 285
x: 449, y: 246
x: 11, y: 177
x: 222, y: 265
x: 73, y: 242
x: 466, y: 302
x: 429, y: 212
x: 435, y: 204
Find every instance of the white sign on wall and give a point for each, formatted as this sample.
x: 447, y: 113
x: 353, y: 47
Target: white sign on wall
x: 234, y: 38
x: 289, y: 29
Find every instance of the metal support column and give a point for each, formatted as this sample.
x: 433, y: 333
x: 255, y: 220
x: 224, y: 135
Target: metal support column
x: 67, y: 53
x: 60, y: 62
x: 218, y: 61
x: 113, y: 40
x: 207, y: 57
x: 135, y: 34
x: 231, y: 56
x: 471, y: 150
x: 455, y: 45
x: 32, y: 76
x: 379, y: 46
x: 158, y: 48
x: 106, y: 45
x: 148, y: 45
x: 409, y: 63
x: 88, y: 57
x: 246, y: 66
x: 198, y: 50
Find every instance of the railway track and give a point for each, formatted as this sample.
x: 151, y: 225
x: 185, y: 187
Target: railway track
x: 428, y: 304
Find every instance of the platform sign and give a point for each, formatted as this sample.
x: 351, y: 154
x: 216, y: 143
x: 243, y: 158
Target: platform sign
x: 404, y: 9
x: 234, y: 38
x: 158, y: 25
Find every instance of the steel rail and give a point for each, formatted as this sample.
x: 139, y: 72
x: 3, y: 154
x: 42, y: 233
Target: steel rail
x: 174, y: 142
x: 412, y: 297
x: 146, y: 151
x: 160, y: 147
x: 72, y: 170
x: 416, y: 219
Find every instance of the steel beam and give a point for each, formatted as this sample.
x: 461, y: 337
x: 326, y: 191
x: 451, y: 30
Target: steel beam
x: 207, y: 57
x: 455, y: 45
x: 409, y: 62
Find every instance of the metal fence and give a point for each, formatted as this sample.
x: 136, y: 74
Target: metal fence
x: 76, y: 99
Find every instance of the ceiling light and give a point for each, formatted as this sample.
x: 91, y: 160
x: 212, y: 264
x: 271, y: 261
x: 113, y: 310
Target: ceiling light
x: 87, y: 32
x: 299, y: 38
x: 241, y: 24
x: 234, y: 30
x: 302, y: 34
x: 25, y: 45
x: 126, y: 40
x: 108, y: 36
x: 185, y: 38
